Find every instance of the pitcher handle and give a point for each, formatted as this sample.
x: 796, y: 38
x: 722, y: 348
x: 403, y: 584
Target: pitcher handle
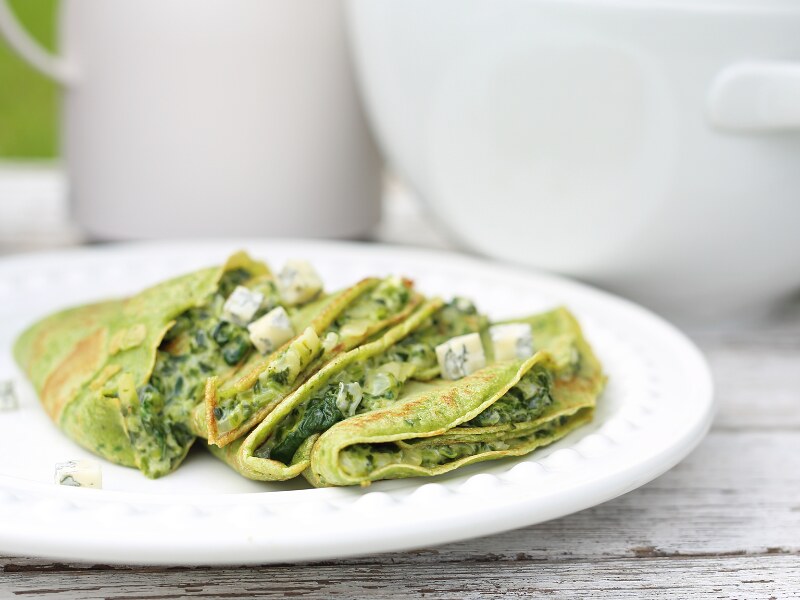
x: 30, y: 50
x: 756, y: 96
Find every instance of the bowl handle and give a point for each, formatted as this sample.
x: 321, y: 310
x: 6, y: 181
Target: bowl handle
x: 29, y: 49
x: 761, y: 96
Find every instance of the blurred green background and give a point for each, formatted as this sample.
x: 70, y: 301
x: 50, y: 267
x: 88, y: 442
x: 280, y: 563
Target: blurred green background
x: 28, y: 100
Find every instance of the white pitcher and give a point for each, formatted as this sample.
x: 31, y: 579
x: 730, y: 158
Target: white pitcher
x: 209, y: 117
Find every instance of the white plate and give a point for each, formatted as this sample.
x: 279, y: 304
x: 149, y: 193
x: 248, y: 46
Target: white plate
x: 657, y: 407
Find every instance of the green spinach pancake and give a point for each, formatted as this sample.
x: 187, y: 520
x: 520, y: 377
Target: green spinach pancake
x: 281, y: 378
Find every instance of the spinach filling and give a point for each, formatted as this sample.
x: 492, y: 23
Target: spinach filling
x: 196, y: 347
x: 458, y: 317
x: 320, y: 414
x: 361, y: 460
x: 369, y: 385
x: 387, y: 299
x: 525, y: 401
x: 272, y: 385
x: 362, y: 386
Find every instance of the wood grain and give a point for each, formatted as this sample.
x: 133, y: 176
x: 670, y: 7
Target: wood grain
x: 724, y: 524
x: 659, y: 578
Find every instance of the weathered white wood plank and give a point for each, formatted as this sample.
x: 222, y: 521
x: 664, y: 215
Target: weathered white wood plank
x: 756, y: 370
x: 757, y: 384
x: 767, y: 576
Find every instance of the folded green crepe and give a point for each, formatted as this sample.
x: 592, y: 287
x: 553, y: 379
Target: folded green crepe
x: 351, y: 396
x: 300, y: 419
x: 127, y: 378
x: 505, y: 409
x: 362, y: 379
x: 235, y: 407
x: 78, y: 358
x: 374, y: 377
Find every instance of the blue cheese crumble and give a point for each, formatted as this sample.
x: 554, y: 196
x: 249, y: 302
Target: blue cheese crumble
x: 271, y: 331
x: 8, y: 396
x: 241, y: 306
x: 460, y: 356
x: 511, y: 341
x: 298, y: 282
x: 79, y: 473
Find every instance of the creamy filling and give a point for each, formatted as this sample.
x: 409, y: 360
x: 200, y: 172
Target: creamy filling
x: 526, y: 401
x: 458, y: 317
x: 371, y: 384
x: 387, y: 299
x: 362, y: 460
x: 277, y: 381
x: 196, y: 347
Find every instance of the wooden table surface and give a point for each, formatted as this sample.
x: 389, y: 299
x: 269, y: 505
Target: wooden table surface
x: 725, y: 523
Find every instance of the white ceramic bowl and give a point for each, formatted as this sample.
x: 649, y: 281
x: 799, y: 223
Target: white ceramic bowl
x: 651, y: 147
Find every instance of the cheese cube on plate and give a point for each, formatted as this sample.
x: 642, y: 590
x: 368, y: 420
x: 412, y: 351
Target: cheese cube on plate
x: 510, y: 341
x: 79, y: 473
x: 241, y: 305
x: 8, y: 397
x: 460, y: 356
x: 271, y: 331
x: 298, y: 282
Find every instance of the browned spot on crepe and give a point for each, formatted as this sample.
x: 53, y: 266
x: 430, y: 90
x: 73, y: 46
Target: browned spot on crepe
x: 63, y: 384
